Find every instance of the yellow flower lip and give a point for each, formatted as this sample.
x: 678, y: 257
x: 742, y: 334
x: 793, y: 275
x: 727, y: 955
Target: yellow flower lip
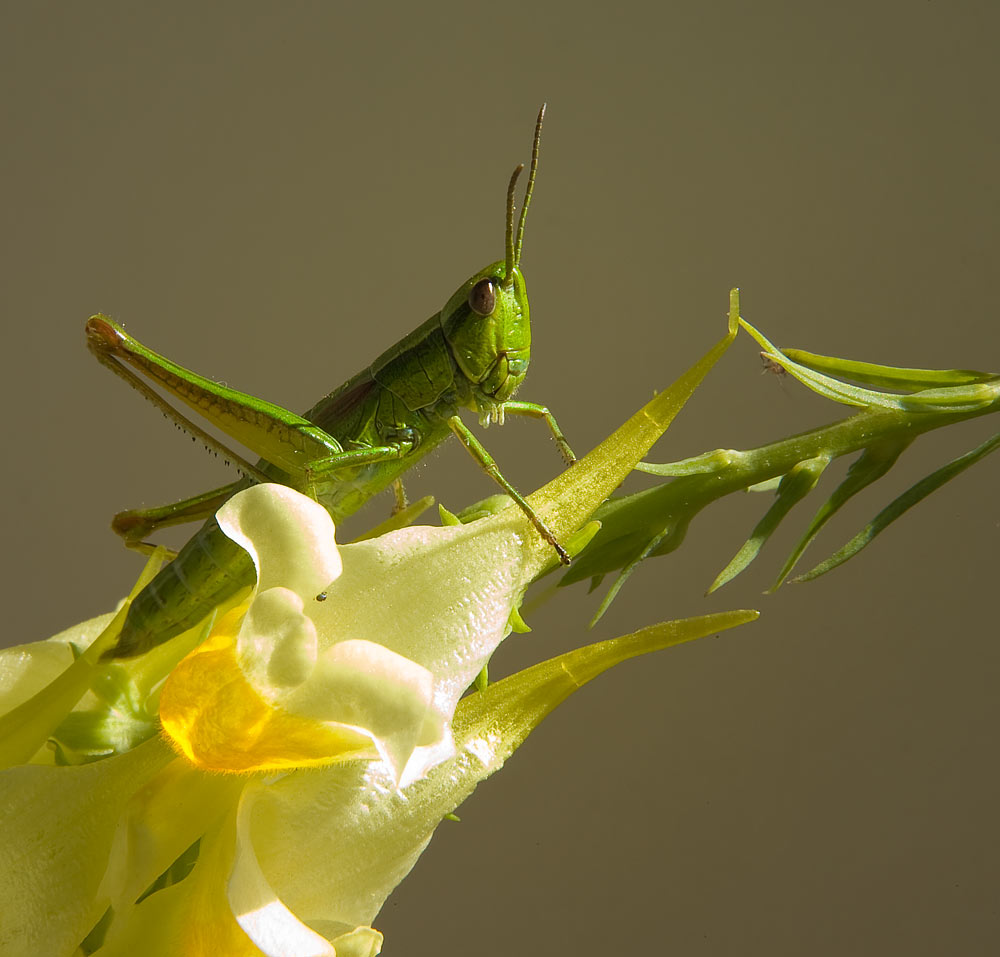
x: 373, y: 671
x: 212, y: 714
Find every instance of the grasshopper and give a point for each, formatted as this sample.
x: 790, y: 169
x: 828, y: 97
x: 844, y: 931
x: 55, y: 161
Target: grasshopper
x: 352, y: 444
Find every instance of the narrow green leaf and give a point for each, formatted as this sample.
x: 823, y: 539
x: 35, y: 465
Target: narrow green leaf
x: 870, y: 466
x: 966, y: 398
x: 888, y: 377
x: 768, y: 485
x: 907, y: 500
x: 624, y: 574
x: 794, y: 487
x: 959, y: 398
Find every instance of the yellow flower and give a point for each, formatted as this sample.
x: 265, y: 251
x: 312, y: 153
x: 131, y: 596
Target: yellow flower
x: 310, y: 745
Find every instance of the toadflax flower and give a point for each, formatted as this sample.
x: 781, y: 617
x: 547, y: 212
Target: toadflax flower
x: 354, y: 652
x: 370, y: 675
x: 263, y: 789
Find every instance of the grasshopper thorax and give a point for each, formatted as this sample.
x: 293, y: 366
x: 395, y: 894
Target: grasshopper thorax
x: 488, y: 331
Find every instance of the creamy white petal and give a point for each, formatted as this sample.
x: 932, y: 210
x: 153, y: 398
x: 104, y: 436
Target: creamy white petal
x: 289, y: 536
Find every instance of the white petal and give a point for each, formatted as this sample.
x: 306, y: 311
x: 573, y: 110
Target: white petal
x: 289, y: 536
x: 362, y: 685
x: 438, y: 596
x: 277, y: 643
x: 264, y: 918
x: 335, y: 841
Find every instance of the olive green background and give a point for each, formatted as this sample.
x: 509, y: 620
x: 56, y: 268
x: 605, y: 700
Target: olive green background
x: 274, y: 193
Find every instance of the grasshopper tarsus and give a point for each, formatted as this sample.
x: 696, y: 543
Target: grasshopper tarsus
x: 147, y: 549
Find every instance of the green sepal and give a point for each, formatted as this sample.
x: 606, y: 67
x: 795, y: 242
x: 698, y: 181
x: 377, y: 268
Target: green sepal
x: 627, y: 523
x: 581, y: 538
x: 124, y: 711
x: 26, y: 728
x: 85, y: 736
x: 517, y: 623
x: 448, y: 518
x: 482, y: 680
x: 669, y: 538
x: 485, y: 508
x: 401, y: 519
x: 502, y: 716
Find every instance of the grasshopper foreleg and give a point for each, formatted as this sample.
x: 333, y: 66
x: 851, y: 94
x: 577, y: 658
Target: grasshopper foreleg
x: 537, y: 411
x: 490, y: 467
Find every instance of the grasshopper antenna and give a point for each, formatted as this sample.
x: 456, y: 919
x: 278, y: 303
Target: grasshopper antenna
x: 532, y: 170
x: 513, y: 258
x: 509, y: 261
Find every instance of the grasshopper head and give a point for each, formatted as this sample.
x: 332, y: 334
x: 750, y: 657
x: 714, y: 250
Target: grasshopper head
x: 488, y: 331
x: 486, y: 322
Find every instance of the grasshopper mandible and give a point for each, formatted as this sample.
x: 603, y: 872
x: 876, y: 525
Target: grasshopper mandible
x: 352, y: 444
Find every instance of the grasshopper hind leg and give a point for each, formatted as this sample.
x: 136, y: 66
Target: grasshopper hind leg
x: 135, y: 525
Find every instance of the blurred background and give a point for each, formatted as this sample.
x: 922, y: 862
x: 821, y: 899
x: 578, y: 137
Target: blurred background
x: 274, y: 194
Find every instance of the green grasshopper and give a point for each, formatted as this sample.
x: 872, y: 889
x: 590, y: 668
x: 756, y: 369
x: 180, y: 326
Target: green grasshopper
x: 352, y: 444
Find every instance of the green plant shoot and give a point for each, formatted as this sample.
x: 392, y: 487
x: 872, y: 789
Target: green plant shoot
x: 352, y: 444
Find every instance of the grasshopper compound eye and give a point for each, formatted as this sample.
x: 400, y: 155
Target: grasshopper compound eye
x: 483, y: 297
